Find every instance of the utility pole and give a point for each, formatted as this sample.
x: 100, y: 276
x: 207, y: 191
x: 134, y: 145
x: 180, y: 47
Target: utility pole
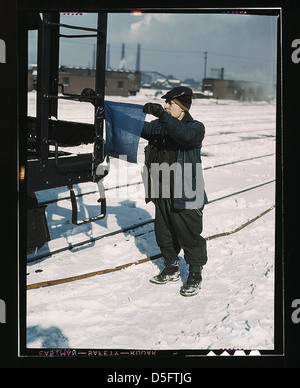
x: 205, y: 63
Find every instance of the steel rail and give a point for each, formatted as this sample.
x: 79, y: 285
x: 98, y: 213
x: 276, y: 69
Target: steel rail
x: 140, y: 182
x: 233, y: 141
x: 131, y: 227
x: 48, y: 283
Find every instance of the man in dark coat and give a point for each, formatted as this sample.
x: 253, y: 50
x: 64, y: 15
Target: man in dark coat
x: 175, y: 141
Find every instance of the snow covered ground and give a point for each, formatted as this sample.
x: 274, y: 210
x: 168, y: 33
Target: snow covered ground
x: 122, y: 309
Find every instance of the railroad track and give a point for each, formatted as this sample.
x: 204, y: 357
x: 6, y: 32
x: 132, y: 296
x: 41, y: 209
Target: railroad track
x: 54, y: 282
x: 140, y: 182
x: 250, y: 138
x: 236, y: 133
x: 71, y: 247
x: 226, y: 133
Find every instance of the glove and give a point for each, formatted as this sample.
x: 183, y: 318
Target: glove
x: 87, y: 92
x: 154, y: 109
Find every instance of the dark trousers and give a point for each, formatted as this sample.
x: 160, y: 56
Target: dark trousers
x: 179, y: 229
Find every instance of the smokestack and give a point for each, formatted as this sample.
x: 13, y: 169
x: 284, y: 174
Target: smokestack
x: 123, y: 57
x: 138, y: 58
x: 222, y: 73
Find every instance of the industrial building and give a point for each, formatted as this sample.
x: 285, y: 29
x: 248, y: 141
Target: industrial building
x: 74, y: 79
x: 120, y: 82
x: 237, y: 90
x: 156, y: 80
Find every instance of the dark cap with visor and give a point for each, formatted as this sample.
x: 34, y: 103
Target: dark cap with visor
x: 181, y: 95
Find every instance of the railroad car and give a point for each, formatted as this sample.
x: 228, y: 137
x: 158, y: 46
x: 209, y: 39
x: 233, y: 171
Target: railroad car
x: 45, y: 166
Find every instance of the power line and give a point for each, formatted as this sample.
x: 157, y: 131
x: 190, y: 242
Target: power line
x: 143, y: 49
x: 240, y: 57
x: 196, y: 52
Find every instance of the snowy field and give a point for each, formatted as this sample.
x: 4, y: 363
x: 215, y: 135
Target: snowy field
x: 122, y: 309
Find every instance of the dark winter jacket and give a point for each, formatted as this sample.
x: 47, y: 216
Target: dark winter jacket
x: 181, y: 140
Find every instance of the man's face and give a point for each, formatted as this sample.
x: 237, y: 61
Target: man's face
x: 174, y: 109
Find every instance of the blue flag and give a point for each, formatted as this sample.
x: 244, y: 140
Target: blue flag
x: 124, y: 123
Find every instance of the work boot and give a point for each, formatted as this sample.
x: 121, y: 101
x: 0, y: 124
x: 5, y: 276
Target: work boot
x: 168, y: 274
x: 193, y: 284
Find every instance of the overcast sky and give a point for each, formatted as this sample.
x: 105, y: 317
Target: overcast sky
x: 174, y: 44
